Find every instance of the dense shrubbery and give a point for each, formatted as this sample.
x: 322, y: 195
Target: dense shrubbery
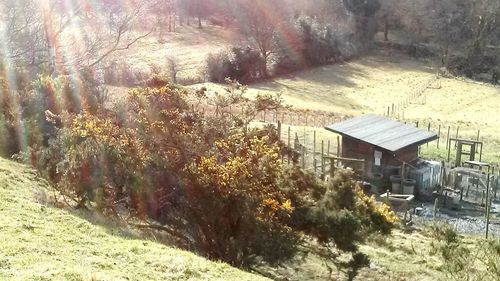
x: 314, y: 44
x: 241, y: 64
x: 336, y: 212
x: 213, y: 182
x: 307, y: 43
x: 474, y: 66
x: 27, y: 105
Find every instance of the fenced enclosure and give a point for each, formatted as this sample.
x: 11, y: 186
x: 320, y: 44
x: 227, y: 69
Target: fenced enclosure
x: 313, y: 145
x: 303, y: 130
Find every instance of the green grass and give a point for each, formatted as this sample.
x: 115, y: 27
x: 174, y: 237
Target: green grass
x: 41, y: 242
x: 405, y: 255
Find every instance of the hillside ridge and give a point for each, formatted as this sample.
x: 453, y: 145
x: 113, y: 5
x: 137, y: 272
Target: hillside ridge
x: 42, y: 242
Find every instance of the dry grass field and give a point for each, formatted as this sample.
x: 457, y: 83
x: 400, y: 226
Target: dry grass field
x: 188, y: 46
x: 367, y: 85
x: 374, y: 83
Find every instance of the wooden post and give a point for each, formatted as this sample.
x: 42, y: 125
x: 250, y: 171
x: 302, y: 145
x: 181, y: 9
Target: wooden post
x: 488, y: 205
x: 481, y: 153
x: 448, y: 138
x: 417, y: 124
x: 388, y: 111
x: 314, y: 150
x: 328, y: 148
x: 289, y: 142
x: 322, y: 158
x: 264, y: 116
x: 338, y: 146
x: 478, y: 132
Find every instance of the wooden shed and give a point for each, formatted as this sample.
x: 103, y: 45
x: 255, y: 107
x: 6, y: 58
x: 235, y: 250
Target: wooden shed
x: 383, y: 143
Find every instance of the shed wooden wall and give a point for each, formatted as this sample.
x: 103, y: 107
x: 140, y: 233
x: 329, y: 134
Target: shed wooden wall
x: 352, y: 148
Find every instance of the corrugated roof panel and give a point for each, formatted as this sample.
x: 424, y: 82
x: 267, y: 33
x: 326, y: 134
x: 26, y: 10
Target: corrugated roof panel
x: 382, y: 132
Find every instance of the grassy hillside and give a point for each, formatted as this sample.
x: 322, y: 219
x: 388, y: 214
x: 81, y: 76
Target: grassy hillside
x: 40, y: 242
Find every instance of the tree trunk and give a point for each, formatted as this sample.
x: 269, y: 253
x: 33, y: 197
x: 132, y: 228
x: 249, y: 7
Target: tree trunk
x: 263, y: 70
x: 386, y: 29
x: 444, y: 56
x: 174, y: 23
x: 199, y: 23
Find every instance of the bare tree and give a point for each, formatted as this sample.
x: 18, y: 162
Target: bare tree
x: 56, y: 34
x: 260, y: 20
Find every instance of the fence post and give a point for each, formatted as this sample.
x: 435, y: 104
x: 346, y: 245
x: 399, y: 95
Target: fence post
x: 448, y: 138
x: 439, y: 136
x: 338, y: 146
x: 289, y: 142
x: 314, y: 150
x: 478, y: 132
x: 322, y: 158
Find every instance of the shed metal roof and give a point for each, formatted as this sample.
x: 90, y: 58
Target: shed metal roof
x: 382, y: 132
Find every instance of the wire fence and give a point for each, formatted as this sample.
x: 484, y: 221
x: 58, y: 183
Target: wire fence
x: 303, y: 130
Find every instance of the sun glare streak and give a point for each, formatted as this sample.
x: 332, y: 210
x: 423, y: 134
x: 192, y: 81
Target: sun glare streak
x: 283, y: 31
x: 9, y: 75
x: 69, y: 64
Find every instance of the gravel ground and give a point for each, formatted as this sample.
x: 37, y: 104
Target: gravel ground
x: 465, y: 222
